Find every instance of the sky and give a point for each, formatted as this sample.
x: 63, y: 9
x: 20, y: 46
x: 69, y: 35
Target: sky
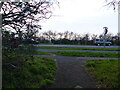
x: 82, y: 16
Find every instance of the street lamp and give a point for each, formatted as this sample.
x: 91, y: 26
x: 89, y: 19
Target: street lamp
x: 105, y: 32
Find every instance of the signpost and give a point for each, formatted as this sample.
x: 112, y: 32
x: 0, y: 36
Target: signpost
x: 105, y: 32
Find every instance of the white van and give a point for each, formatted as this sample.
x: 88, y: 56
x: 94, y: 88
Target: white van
x: 99, y: 42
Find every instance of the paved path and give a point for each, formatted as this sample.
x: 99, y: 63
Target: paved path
x: 71, y: 72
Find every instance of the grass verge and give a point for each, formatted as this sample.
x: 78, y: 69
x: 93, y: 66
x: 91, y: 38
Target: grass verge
x: 30, y: 72
x: 86, y: 54
x: 81, y: 48
x: 25, y: 52
x: 105, y: 72
x: 33, y: 52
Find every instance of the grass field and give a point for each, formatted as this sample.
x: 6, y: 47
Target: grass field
x: 32, y: 73
x: 81, y: 48
x: 86, y: 54
x: 105, y: 72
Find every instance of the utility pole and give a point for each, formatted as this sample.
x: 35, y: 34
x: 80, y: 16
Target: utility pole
x: 105, y: 32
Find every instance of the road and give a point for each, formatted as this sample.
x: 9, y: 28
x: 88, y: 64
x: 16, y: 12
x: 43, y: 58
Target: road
x: 54, y: 50
x: 85, y: 46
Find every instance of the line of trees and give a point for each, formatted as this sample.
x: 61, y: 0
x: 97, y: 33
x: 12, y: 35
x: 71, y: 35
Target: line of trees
x: 69, y: 37
x: 23, y: 18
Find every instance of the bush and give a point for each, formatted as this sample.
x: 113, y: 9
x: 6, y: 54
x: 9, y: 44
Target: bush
x: 33, y: 73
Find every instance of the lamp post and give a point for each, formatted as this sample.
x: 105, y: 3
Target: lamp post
x: 105, y: 32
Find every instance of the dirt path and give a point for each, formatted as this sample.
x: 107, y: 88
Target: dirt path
x: 71, y: 72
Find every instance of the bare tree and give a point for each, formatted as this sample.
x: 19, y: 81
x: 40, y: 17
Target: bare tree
x: 23, y: 14
x: 93, y: 37
x: 109, y: 36
x: 113, y: 3
x: 60, y: 35
x: 66, y: 34
x: 30, y: 32
x: 101, y: 36
x: 71, y: 35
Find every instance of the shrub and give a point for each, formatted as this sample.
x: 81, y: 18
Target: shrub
x: 34, y: 73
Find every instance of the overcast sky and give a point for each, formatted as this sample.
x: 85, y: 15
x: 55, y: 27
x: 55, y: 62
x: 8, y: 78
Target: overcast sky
x: 82, y: 16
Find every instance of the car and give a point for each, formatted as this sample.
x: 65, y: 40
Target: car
x: 99, y: 42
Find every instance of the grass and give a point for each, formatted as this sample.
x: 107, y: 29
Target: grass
x: 33, y: 72
x: 26, y: 52
x: 23, y: 71
x: 81, y: 48
x: 105, y: 72
x: 33, y: 52
x: 86, y: 54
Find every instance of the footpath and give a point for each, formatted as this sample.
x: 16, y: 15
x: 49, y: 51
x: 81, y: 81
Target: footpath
x: 72, y: 73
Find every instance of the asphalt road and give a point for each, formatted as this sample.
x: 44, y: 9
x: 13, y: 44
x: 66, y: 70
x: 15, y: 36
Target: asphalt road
x: 54, y: 50
x: 87, y: 46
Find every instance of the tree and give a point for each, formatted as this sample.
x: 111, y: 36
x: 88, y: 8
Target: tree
x: 20, y: 15
x: 30, y: 33
x: 93, y: 36
x: 109, y: 36
x: 66, y: 34
x: 86, y: 38
x: 60, y: 35
x: 114, y: 3
x: 71, y: 35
